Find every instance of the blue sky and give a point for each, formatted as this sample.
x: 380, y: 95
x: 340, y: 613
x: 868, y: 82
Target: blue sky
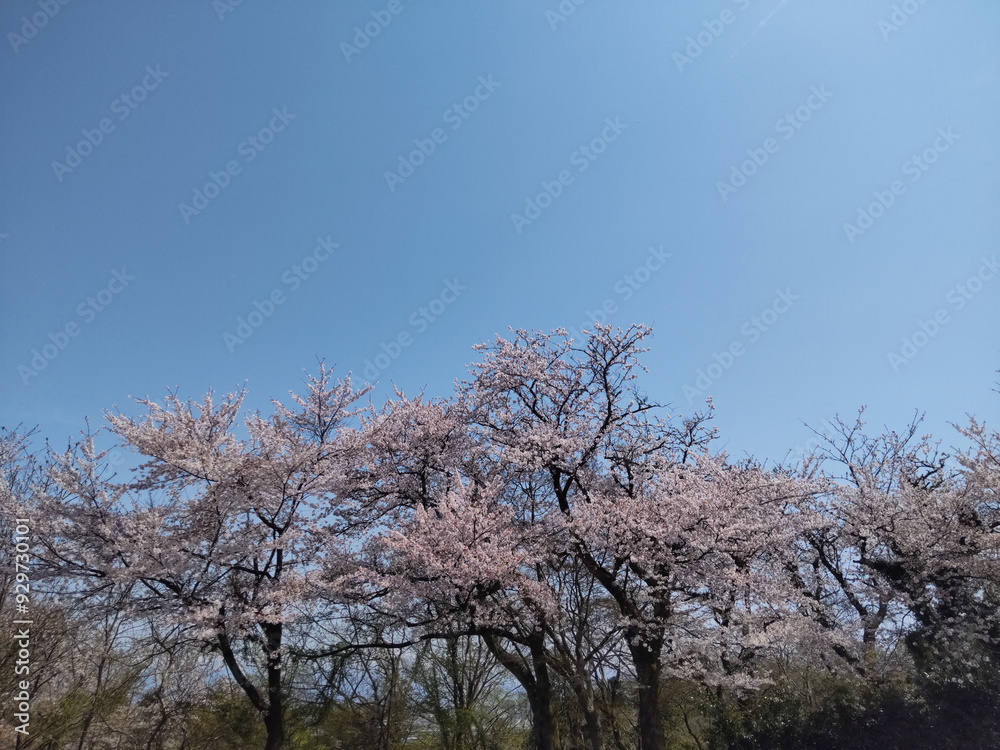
x: 171, y: 169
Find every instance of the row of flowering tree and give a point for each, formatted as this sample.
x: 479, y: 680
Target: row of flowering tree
x: 548, y: 511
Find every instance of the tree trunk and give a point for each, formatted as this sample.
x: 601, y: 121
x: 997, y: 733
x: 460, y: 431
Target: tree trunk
x: 647, y: 670
x: 274, y: 718
x: 271, y: 708
x: 275, y: 731
x: 546, y: 730
x: 592, y: 727
x: 534, y: 678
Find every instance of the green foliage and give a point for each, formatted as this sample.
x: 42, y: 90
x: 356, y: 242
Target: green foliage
x: 225, y: 721
x: 816, y: 710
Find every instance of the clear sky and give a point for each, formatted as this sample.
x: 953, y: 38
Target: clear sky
x: 421, y: 175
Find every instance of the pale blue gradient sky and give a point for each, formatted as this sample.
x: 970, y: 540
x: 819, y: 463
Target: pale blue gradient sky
x: 448, y: 225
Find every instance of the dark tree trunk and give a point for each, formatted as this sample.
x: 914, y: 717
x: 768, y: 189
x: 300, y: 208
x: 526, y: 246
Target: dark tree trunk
x: 543, y: 728
x: 592, y: 727
x: 274, y: 718
x: 275, y: 731
x: 546, y: 730
x: 647, y: 670
x: 270, y: 708
x: 535, y: 680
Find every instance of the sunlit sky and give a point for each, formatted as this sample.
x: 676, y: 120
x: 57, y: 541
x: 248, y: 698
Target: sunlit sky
x: 801, y: 198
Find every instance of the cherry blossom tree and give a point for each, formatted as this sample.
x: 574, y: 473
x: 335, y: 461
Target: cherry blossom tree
x: 549, y: 458
x: 447, y: 549
x: 904, y: 548
x: 548, y: 514
x: 682, y: 541
x: 863, y: 477
x: 216, y: 532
